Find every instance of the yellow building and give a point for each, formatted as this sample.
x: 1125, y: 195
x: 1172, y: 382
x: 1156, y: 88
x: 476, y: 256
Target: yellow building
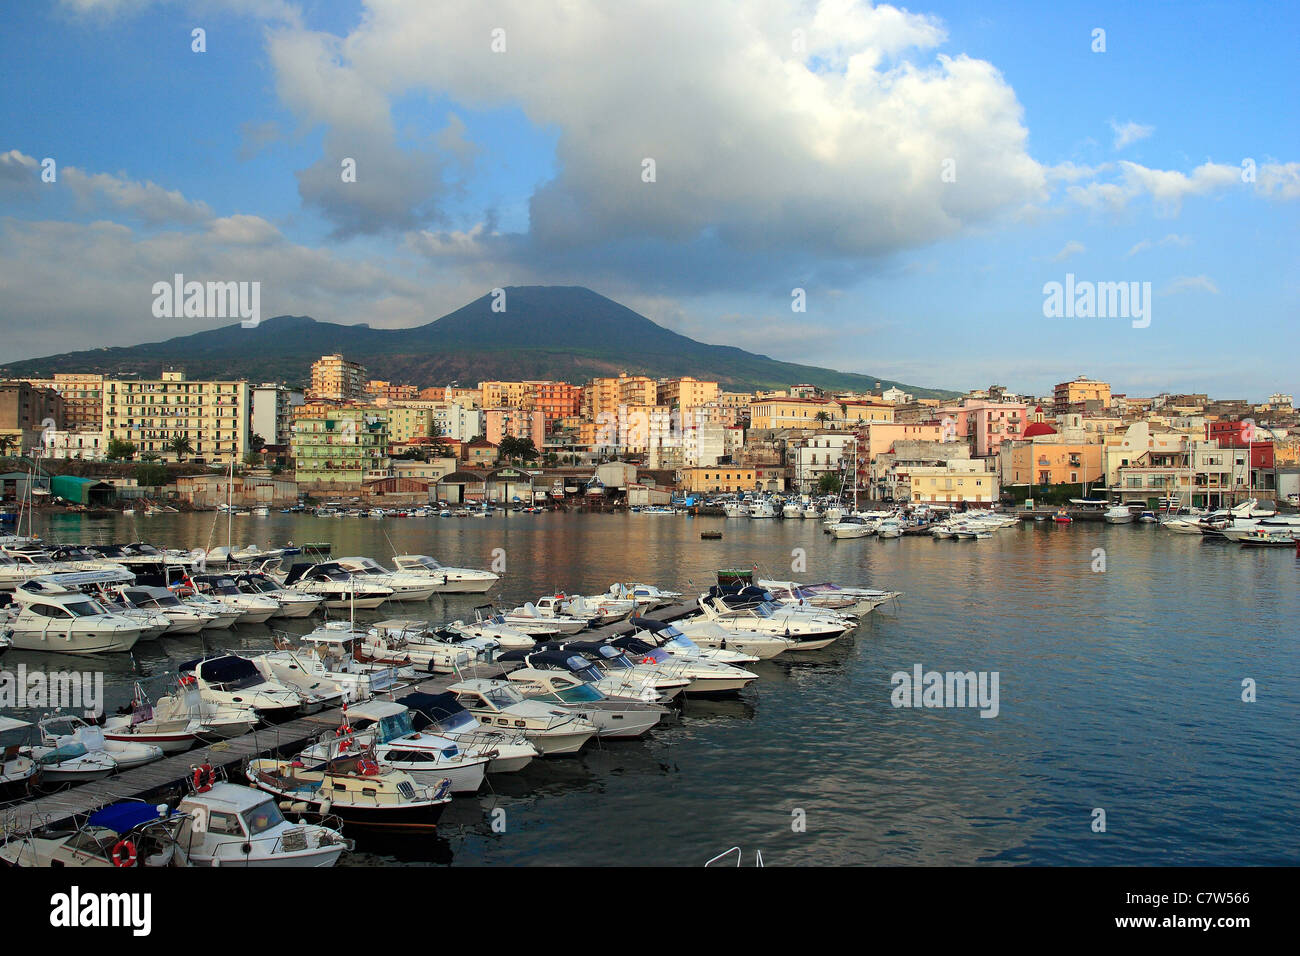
x: 150, y: 413
x: 717, y: 478
x: 505, y: 394
x: 334, y: 378
x: 687, y: 392
x: 637, y: 390
x: 1082, y: 389
x: 788, y: 412
x: 342, y: 446
x: 1050, y: 463
x: 854, y: 411
x: 959, y: 480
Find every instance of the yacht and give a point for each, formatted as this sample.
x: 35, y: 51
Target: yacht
x: 405, y: 585
x: 1119, y: 514
x: 356, y: 788
x: 1264, y: 538
x: 852, y: 526
x: 339, y: 589
x: 762, y: 508
x: 533, y: 620
x: 827, y: 596
x: 596, y: 612
x: 252, y: 608
x: 499, y: 704
x: 624, y: 677
x: 229, y: 825
x: 388, y: 728
x: 49, y: 616
x: 670, y: 639
x: 444, y: 714
x: 613, y: 717
x: 710, y: 635
x: 493, y: 627
x: 329, y: 654
x: 233, y: 682
x: 735, y: 509
x: 445, y: 580
x: 182, y: 618
x: 177, y: 720
x: 62, y: 735
x: 811, y: 633
x: 645, y: 597
x: 404, y: 642
x: 292, y: 603
x: 889, y: 528
x: 706, y: 675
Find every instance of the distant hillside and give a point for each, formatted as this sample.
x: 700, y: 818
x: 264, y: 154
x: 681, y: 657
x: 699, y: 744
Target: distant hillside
x: 547, y: 332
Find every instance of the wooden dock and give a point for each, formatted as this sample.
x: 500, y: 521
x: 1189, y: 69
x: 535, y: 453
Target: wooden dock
x: 171, y: 775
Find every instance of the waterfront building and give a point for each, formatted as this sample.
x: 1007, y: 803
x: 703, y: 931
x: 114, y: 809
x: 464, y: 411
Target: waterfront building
x: 1076, y: 395
x: 83, y: 399
x: 340, y: 447
x: 954, y: 482
x: 334, y: 378
x: 272, y: 412
x: 213, y: 416
x: 720, y: 478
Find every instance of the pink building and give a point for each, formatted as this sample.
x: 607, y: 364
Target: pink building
x: 986, y: 425
x: 499, y: 423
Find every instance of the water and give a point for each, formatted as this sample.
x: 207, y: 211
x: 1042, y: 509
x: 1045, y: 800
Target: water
x: 1118, y: 690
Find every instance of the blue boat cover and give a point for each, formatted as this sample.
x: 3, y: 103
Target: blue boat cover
x: 124, y: 817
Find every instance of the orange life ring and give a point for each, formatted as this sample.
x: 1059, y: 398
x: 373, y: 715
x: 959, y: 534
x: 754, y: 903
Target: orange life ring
x: 205, y: 778
x: 124, y: 853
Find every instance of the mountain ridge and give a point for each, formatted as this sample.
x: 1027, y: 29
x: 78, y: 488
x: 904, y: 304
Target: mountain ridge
x: 569, y: 333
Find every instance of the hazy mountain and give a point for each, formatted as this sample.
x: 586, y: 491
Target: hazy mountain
x: 546, y: 332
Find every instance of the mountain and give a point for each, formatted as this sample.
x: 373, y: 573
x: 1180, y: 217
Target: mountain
x: 546, y: 332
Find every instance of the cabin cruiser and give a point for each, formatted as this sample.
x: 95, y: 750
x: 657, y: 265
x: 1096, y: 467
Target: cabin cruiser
x: 443, y: 714
x: 182, y: 618
x: 292, y: 603
x: 404, y: 642
x: 827, y: 596
x: 172, y: 733
x: 490, y: 623
x: 229, y: 825
x: 646, y: 597
x: 405, y: 586
x: 1265, y: 538
x: 234, y: 682
x: 1119, y: 514
x: 762, y: 508
x: 329, y: 655
x: 445, y: 580
x: 706, y: 676
x: 613, y: 717
x: 596, y: 611
x: 388, y: 729
x: 339, y: 589
x: 17, y: 770
x: 811, y: 633
x: 852, y: 526
x: 642, y: 681
x: 672, y: 640
x: 735, y: 509
x: 532, y: 620
x: 1282, y: 526
x: 354, y: 787
x: 62, y: 733
x: 500, y: 705
x: 126, y: 834
x: 49, y: 616
x: 24, y: 563
x: 252, y: 608
x: 710, y: 635
x: 619, y: 684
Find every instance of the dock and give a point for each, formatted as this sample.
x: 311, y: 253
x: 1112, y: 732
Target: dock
x: 170, y: 776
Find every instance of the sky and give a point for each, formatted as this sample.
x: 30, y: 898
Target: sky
x: 922, y: 174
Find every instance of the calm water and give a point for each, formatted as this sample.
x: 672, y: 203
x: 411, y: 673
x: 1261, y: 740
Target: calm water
x: 1119, y: 690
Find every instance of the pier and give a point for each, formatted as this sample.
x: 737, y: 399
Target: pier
x: 171, y: 775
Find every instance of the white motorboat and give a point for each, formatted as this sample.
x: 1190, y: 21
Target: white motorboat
x: 292, y: 603
x: 330, y: 654
x: 232, y: 682
x: 446, y: 580
x: 182, y: 618
x: 66, y: 734
x: 706, y: 676
x: 17, y: 770
x: 811, y: 632
x: 388, y: 729
x: 533, y: 620
x: 405, y: 585
x: 762, y: 508
x: 828, y: 596
x: 120, y: 835
x: 499, y: 704
x: 403, y: 642
x: 49, y: 616
x: 596, y: 611
x: 252, y: 608
x: 493, y: 627
x: 852, y: 526
x: 621, y: 676
x: 230, y: 825
x: 646, y: 597
x: 339, y: 589
x: 670, y: 639
x: 613, y: 717
x: 1119, y: 514
x: 735, y: 509
x: 443, y: 714
x: 172, y: 733
x: 712, y: 636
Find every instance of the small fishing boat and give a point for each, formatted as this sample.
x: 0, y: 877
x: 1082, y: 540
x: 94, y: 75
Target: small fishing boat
x: 1062, y: 517
x: 224, y: 824
x: 120, y: 835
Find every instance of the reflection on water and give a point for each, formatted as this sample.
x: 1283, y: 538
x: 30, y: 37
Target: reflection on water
x: 1119, y: 690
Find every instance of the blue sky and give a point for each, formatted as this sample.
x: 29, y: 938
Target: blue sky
x: 777, y: 167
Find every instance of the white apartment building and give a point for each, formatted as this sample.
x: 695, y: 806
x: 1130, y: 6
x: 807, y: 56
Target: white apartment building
x: 272, y: 415
x: 819, y: 455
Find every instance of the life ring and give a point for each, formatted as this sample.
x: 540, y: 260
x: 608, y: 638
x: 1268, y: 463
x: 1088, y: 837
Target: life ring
x: 124, y: 853
x: 205, y: 778
x: 367, y: 768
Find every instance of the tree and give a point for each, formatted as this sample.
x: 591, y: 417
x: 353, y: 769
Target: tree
x: 150, y: 476
x: 252, y: 459
x: 180, y: 447
x: 822, y: 418
x: 257, y: 442
x: 151, y: 456
x: 119, y: 450
x: 514, y: 449
x: 7, y: 444
x: 829, y: 483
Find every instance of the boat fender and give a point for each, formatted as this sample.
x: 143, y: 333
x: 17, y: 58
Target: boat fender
x: 124, y: 854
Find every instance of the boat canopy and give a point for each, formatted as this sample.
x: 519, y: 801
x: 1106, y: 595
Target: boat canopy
x: 223, y: 670
x: 126, y: 816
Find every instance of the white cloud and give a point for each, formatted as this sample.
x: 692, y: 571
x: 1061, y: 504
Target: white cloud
x: 1173, y: 239
x: 1191, y: 284
x: 1071, y: 248
x: 1280, y: 181
x: 1130, y: 132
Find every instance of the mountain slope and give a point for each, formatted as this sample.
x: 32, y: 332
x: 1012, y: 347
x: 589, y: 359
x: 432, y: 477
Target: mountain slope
x: 545, y: 332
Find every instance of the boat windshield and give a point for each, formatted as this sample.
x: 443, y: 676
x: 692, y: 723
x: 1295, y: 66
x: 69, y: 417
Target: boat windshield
x: 461, y: 722
x: 682, y: 642
x: 265, y: 816
x: 84, y: 608
x: 499, y: 697
x: 398, y: 725
x: 581, y: 694
x: 256, y: 586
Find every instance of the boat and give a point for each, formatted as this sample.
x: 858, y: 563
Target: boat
x: 292, y: 603
x: 233, y: 682
x: 613, y: 717
x: 762, y: 508
x: 331, y: 654
x: 388, y: 728
x: 735, y: 509
x: 356, y: 788
x: 444, y: 714
x: 64, y: 734
x: 118, y: 836
x: 1119, y: 514
x: 1062, y: 517
x: 405, y: 585
x: 252, y: 608
x: 811, y: 633
x: 499, y: 704
x: 1147, y: 517
x: 706, y: 676
x: 852, y: 526
x: 446, y: 580
x: 533, y: 620
x: 1263, y: 538
x: 18, y: 771
x: 58, y: 617
x: 173, y: 732
x: 339, y: 589
x: 225, y: 824
x: 182, y: 618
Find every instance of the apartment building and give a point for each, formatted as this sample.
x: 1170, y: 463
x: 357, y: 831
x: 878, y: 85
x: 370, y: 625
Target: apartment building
x: 499, y: 423
x: 556, y: 401
x: 384, y: 392
x: 505, y: 394
x: 642, y: 427
x: 83, y: 399
x: 213, y: 416
x: 954, y: 482
x: 340, y: 447
x: 1075, y: 395
x: 785, y: 412
x: 821, y: 454
x: 26, y: 410
x: 686, y: 392
x: 334, y: 378
x: 272, y: 412
x: 721, y: 478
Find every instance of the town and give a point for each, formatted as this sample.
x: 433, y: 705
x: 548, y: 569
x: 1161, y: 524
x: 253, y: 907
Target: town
x: 92, y: 441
